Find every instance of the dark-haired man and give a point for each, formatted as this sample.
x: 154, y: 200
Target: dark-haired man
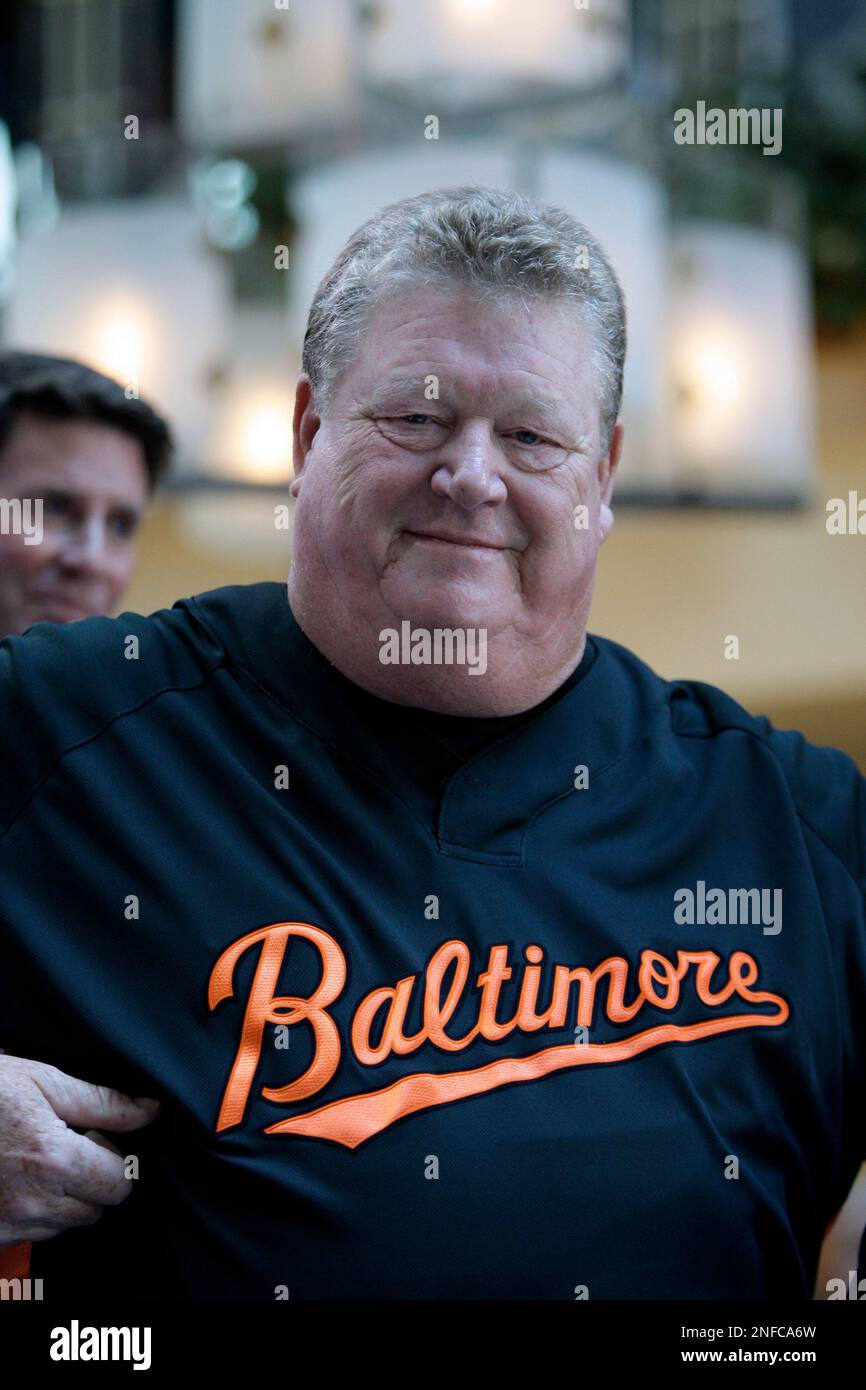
x: 85, y: 460
x: 79, y: 462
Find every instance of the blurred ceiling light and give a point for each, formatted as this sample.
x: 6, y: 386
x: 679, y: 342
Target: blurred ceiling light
x: 740, y: 363
x: 223, y: 182
x: 247, y: 461
x: 468, y: 51
x: 713, y: 371
x: 221, y: 189
x: 130, y: 286
x: 266, y: 451
x: 232, y: 229
x: 254, y: 423
x: 469, y: 11
x: 123, y: 335
x: 249, y: 442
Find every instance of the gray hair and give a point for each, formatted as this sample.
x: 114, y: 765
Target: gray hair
x: 498, y: 242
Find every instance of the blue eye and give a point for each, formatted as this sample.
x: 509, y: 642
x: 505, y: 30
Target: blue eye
x: 536, y: 437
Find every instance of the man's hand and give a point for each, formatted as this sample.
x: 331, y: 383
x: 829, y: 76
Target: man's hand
x: 50, y: 1177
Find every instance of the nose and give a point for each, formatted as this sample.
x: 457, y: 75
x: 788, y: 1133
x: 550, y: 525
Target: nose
x: 469, y: 471
x: 85, y: 546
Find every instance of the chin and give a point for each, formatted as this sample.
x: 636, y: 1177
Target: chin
x: 445, y: 607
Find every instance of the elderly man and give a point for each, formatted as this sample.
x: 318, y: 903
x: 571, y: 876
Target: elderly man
x: 467, y: 957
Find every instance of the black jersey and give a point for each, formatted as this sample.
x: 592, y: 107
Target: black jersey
x: 571, y: 1004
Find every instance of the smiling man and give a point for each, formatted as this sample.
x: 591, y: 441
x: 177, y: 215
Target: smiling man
x: 397, y: 944
x: 73, y: 444
x: 459, y: 510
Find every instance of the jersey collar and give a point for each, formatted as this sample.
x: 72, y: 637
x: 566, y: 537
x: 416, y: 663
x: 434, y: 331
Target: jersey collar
x: 482, y: 811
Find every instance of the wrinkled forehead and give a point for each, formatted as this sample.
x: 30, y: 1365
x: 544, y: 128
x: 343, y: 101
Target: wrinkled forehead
x: 452, y: 341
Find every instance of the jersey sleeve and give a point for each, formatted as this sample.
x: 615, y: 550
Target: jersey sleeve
x: 62, y: 685
x: 828, y: 793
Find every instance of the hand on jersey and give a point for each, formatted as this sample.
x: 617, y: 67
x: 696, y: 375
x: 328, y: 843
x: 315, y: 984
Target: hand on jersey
x: 51, y: 1177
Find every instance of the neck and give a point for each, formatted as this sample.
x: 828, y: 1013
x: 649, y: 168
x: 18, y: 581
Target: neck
x: 448, y: 670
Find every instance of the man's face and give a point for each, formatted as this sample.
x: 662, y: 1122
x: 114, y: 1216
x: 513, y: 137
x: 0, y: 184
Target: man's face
x: 93, y: 483
x: 461, y: 510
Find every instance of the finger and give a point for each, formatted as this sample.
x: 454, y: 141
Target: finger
x: 65, y: 1214
x: 96, y: 1137
x: 69, y: 1211
x: 94, y: 1172
x: 83, y: 1105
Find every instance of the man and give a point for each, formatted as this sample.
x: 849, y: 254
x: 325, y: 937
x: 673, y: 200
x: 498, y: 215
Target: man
x: 79, y: 461
x: 527, y: 974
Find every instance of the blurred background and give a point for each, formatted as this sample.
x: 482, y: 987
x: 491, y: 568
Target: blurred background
x: 176, y: 176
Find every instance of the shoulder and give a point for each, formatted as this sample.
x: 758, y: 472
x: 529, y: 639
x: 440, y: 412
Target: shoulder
x: 62, y: 685
x: 825, y: 785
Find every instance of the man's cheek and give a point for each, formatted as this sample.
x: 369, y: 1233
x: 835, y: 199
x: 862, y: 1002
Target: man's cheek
x: 17, y: 557
x: 123, y: 569
x: 347, y: 482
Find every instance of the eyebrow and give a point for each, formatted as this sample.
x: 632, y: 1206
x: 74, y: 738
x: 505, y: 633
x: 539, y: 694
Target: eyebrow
x: 538, y: 400
x: 47, y: 488
x: 572, y: 435
x: 522, y: 400
x: 405, y: 385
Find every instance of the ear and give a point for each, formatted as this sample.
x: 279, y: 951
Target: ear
x: 606, y: 469
x: 305, y: 423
